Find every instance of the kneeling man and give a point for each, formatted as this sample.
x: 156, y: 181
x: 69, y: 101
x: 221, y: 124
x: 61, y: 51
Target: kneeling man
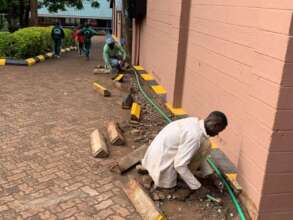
x: 179, y: 144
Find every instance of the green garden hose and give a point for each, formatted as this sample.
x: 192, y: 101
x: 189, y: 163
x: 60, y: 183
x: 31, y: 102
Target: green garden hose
x: 218, y: 172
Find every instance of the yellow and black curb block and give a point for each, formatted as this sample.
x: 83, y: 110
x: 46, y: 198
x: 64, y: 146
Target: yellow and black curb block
x: 176, y: 111
x: 2, y: 62
x: 135, y: 111
x: 232, y: 179
x: 119, y: 77
x: 49, y: 55
x: 31, y: 61
x: 101, y: 89
x: 40, y: 58
x: 160, y: 91
x: 139, y: 69
x: 149, y: 78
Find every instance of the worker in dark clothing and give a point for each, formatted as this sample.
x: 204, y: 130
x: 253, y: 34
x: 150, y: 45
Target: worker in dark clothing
x: 88, y: 33
x: 58, y: 35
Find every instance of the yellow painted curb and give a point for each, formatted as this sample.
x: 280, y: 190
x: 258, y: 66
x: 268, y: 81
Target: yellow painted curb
x: 102, y: 90
x: 161, y: 217
x: 2, y: 62
x: 135, y: 111
x: 214, y: 145
x: 176, y: 111
x: 232, y: 178
x: 41, y: 58
x: 138, y: 68
x: 30, y: 61
x: 159, y: 89
x: 119, y: 78
x: 147, y: 77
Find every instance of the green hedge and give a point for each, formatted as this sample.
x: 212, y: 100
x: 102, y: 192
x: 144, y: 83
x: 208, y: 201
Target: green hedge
x: 29, y: 42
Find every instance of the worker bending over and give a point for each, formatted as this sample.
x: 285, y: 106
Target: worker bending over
x: 180, y: 144
x: 114, y: 54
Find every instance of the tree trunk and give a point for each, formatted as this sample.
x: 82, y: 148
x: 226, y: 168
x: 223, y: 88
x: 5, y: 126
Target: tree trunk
x: 126, y: 28
x: 21, y: 13
x: 34, y: 12
x: 27, y: 15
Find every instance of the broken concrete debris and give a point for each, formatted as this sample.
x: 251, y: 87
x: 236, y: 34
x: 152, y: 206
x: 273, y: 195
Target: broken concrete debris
x: 98, y: 145
x: 133, y: 158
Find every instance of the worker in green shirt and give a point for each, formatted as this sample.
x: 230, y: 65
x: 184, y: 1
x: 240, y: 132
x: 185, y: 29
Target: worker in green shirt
x: 114, y: 54
x: 57, y: 35
x: 88, y: 33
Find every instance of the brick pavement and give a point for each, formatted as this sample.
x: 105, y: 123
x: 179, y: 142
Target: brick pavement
x: 47, y: 113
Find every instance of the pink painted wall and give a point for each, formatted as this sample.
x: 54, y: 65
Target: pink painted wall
x: 239, y: 60
x: 159, y: 41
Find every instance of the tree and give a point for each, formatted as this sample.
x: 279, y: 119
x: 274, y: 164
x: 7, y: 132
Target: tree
x: 54, y: 5
x: 34, y: 12
x: 18, y: 11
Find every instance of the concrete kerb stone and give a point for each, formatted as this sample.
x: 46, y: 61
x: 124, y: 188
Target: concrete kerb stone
x: 142, y: 202
x: 135, y: 111
x: 2, y: 62
x: 31, y: 61
x: 101, y: 89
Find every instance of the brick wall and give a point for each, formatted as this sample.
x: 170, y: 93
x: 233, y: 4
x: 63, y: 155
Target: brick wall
x: 236, y: 56
x: 276, y: 47
x: 239, y: 60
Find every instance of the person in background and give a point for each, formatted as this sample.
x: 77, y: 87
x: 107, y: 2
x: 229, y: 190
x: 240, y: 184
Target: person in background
x: 114, y: 54
x: 87, y: 32
x: 74, y: 36
x: 57, y: 35
x: 178, y: 145
x: 80, y: 40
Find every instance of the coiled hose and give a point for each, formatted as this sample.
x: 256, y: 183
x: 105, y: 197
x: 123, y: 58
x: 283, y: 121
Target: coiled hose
x: 212, y: 164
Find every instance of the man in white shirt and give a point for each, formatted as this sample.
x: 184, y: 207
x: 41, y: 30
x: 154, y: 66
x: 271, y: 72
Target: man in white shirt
x: 177, y: 145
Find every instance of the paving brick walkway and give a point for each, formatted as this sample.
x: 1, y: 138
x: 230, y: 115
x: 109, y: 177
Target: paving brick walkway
x: 47, y: 113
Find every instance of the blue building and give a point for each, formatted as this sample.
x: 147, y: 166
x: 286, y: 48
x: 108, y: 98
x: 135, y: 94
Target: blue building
x: 100, y: 18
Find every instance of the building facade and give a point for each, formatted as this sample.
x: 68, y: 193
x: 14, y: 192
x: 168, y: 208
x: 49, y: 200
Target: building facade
x: 100, y: 18
x: 233, y: 56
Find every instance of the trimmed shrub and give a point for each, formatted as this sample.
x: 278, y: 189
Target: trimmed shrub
x: 29, y: 42
x: 4, y: 43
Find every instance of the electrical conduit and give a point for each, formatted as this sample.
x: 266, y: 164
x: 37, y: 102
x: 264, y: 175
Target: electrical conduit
x: 212, y: 164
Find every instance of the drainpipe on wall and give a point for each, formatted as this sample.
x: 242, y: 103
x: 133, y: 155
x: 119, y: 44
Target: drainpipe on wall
x: 136, y: 27
x: 181, y: 53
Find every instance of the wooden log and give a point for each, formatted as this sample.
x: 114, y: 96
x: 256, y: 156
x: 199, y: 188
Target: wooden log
x: 98, y: 145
